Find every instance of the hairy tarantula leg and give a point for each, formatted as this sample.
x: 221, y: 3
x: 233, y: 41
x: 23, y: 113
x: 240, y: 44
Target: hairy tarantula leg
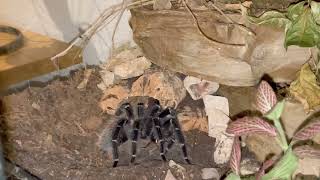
x: 170, y: 144
x: 115, y: 135
x: 135, y: 132
x: 159, y: 134
x: 134, y: 139
x: 180, y: 138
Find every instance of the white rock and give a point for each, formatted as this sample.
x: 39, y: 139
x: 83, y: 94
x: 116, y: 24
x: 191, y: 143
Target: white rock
x: 223, y: 148
x: 216, y: 102
x: 35, y: 106
x: 169, y: 176
x: 210, y: 173
x: 132, y: 68
x: 217, y: 110
x: 107, y: 78
x: 173, y: 164
x: 198, y: 88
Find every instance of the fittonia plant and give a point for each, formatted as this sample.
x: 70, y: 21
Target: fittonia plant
x: 276, y: 168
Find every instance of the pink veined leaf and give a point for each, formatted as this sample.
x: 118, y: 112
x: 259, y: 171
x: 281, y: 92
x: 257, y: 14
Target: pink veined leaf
x: 250, y: 125
x: 235, y: 157
x: 267, y: 164
x: 265, y: 98
x: 309, y: 131
x: 307, y: 151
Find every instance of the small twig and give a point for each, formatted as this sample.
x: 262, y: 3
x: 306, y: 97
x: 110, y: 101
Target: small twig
x: 201, y: 31
x: 84, y: 38
x: 124, y: 5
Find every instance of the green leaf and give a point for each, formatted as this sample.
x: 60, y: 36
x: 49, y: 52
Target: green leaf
x: 303, y: 32
x: 273, y: 18
x: 284, y: 168
x: 294, y: 11
x: 315, y: 10
x: 276, y: 112
x: 233, y: 176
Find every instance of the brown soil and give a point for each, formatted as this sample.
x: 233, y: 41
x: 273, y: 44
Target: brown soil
x: 53, y: 133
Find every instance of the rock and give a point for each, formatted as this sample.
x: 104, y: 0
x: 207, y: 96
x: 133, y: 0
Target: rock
x: 262, y: 146
x: 217, y: 110
x: 210, y: 173
x: 112, y: 97
x: 132, y: 68
x: 169, y: 176
x: 223, y: 148
x: 127, y: 64
x: 179, y: 171
x: 174, y: 165
x: 193, y: 119
x: 162, y: 85
x: 108, y: 78
x: 308, y: 166
x: 92, y: 123
x: 189, y: 52
x: 162, y: 4
x: 35, y: 106
x: 198, y: 88
x: 249, y: 166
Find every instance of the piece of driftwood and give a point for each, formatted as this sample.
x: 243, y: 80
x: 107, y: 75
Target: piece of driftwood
x: 171, y: 39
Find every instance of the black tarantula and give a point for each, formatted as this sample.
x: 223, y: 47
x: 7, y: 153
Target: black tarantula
x: 144, y: 119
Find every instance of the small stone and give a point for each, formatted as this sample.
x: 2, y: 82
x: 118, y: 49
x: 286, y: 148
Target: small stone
x: 108, y: 78
x: 35, y: 106
x: 217, y: 110
x: 198, y: 88
x: 223, y: 148
x: 127, y: 64
x: 132, y: 68
x: 216, y: 102
x: 193, y: 119
x: 161, y: 85
x: 210, y: 173
x: 249, y: 166
x: 173, y: 164
x: 92, y: 123
x: 112, y: 97
x: 169, y: 176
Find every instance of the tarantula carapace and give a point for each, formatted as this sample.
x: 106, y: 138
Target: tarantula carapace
x: 144, y: 118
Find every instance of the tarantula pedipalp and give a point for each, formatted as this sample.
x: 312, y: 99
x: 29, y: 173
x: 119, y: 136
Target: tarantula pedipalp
x: 143, y: 117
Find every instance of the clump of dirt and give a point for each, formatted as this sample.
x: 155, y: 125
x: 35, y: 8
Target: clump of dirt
x: 53, y: 133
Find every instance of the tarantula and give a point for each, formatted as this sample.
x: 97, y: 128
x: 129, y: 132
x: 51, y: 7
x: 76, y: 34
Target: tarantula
x: 144, y: 119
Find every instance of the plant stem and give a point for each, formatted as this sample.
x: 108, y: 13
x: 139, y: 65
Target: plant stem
x: 282, y: 135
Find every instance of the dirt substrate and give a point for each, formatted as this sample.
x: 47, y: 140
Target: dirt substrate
x: 53, y: 133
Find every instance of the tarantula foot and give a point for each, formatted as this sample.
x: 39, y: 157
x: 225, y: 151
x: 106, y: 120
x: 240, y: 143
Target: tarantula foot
x: 115, y: 163
x: 133, y: 158
x: 187, y: 160
x: 163, y: 157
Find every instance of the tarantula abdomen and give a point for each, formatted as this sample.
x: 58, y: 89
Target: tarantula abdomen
x: 142, y: 117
